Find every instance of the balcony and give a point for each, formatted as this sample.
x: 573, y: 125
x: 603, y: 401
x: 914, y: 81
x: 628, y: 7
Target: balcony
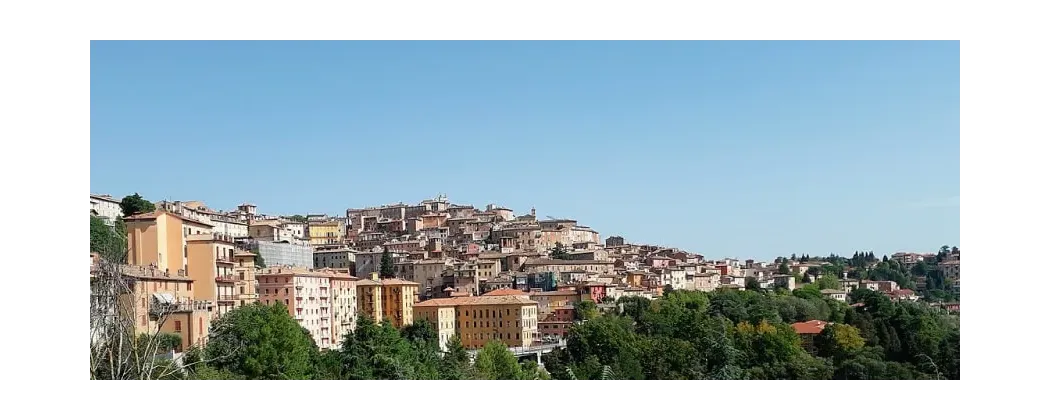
x: 227, y: 298
x: 223, y: 260
x: 225, y: 279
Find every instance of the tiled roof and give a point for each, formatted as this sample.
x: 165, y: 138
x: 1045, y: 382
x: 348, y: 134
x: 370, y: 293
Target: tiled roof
x: 815, y: 326
x: 477, y: 300
x: 505, y: 292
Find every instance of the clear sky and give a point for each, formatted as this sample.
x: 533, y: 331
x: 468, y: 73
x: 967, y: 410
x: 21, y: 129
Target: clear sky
x: 729, y: 149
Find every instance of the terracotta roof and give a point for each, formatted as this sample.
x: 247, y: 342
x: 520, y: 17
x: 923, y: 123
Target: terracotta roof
x: 555, y: 293
x: 153, y: 215
x: 505, y: 292
x: 815, y: 326
x: 477, y: 300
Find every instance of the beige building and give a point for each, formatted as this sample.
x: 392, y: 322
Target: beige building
x: 244, y: 275
x: 165, y: 302
x: 441, y: 313
x: 344, y: 306
x: 340, y: 258
x: 543, y: 265
x: 511, y: 319
x: 159, y: 238
x: 307, y: 297
x: 210, y: 263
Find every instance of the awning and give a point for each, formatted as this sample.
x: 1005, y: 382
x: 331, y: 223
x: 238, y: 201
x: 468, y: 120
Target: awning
x: 165, y: 298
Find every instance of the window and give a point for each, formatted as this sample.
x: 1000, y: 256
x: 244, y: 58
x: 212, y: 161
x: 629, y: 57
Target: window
x: 189, y: 286
x: 178, y: 326
x: 200, y: 326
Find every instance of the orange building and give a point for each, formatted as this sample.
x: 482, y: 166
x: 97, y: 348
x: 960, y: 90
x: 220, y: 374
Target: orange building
x: 244, y: 275
x: 159, y: 238
x: 305, y: 294
x: 509, y: 318
x: 210, y: 263
x: 387, y: 299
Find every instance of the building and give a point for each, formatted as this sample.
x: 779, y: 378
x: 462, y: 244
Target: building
x: 511, y: 319
x: 283, y: 254
x: 367, y: 262
x: 558, y: 323
x: 244, y: 277
x: 548, y: 302
x: 107, y: 208
x: 158, y: 238
x: 542, y: 265
x: 340, y: 258
x: 329, y: 232
x: 808, y: 331
x: 387, y: 299
x: 614, y: 241
x: 164, y: 301
x: 344, y: 306
x: 442, y: 314
x: 210, y: 263
x: 306, y: 295
x: 838, y: 295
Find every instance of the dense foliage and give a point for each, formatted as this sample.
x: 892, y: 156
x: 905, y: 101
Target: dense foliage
x: 386, y: 265
x: 108, y: 241
x: 135, y: 204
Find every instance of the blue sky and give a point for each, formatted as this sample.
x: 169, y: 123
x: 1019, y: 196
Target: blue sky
x: 730, y: 149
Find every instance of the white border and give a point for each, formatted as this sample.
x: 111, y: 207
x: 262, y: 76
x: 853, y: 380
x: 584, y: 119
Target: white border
x: 46, y: 132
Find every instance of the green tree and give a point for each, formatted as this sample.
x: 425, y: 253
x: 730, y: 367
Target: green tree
x: 135, y: 204
x: 297, y: 218
x: 261, y: 342
x: 828, y: 281
x: 378, y: 351
x: 496, y: 362
x: 108, y: 242
x: 839, y: 341
x: 784, y: 269
x: 751, y: 283
x: 455, y: 364
x: 586, y: 310
x: 260, y: 262
x: 386, y: 265
x: 559, y: 252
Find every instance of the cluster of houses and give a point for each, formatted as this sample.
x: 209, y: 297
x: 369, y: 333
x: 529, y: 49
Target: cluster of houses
x: 479, y: 274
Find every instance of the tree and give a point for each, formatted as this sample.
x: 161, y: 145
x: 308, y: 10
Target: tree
x: 496, y: 362
x: 586, y: 310
x: 828, y: 281
x: 135, y: 204
x: 751, y: 283
x: 108, y: 241
x: 297, y: 218
x: 456, y: 362
x: 119, y: 350
x: 260, y: 262
x: 839, y: 341
x: 386, y: 265
x: 784, y: 269
x: 262, y: 342
x: 559, y: 252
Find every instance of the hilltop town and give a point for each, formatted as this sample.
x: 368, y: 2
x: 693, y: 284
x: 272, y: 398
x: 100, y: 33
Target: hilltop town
x: 476, y: 274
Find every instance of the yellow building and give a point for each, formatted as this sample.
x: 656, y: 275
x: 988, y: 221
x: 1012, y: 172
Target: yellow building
x: 244, y: 273
x: 509, y: 318
x: 159, y: 238
x: 326, y: 233
x: 442, y: 314
x: 387, y: 299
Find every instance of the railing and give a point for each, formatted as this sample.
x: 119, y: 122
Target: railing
x: 227, y: 297
x: 157, y: 308
x: 225, y: 279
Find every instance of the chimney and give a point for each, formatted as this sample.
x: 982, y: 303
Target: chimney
x: 533, y: 212
x: 375, y: 275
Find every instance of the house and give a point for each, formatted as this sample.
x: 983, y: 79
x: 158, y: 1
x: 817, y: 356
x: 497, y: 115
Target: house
x: 808, y: 331
x: 902, y: 295
x: 838, y: 295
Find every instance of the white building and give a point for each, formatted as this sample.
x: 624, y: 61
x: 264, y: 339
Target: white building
x: 838, y: 295
x: 106, y: 207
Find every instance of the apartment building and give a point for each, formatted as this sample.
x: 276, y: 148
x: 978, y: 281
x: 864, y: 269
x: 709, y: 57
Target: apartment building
x: 548, y: 302
x: 328, y: 232
x: 106, y: 207
x: 390, y: 299
x: 279, y: 253
x: 511, y: 319
x: 442, y: 314
x: 344, y: 306
x: 244, y: 275
x: 541, y: 265
x: 341, y: 258
x: 163, y: 301
x: 158, y: 238
x: 307, y: 297
x: 210, y: 263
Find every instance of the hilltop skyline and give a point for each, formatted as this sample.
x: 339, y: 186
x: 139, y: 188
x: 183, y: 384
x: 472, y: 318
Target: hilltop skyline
x: 729, y: 149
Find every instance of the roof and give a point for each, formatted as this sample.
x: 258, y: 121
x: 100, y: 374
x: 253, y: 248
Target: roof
x: 548, y: 261
x: 477, y: 300
x: 554, y: 293
x: 150, y: 273
x: 153, y: 215
x: 815, y: 326
x: 303, y: 272
x: 831, y: 291
x: 505, y: 292
x: 105, y: 197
